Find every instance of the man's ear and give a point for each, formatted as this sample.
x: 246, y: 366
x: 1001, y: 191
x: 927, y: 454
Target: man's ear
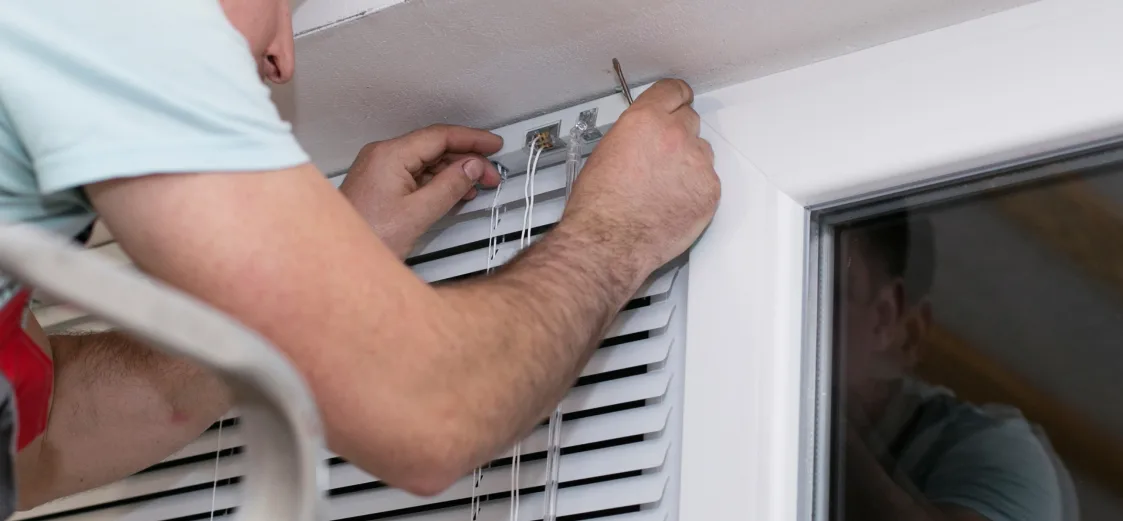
x: 889, y: 305
x: 918, y: 324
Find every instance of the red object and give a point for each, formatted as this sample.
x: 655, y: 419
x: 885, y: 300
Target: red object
x: 29, y: 371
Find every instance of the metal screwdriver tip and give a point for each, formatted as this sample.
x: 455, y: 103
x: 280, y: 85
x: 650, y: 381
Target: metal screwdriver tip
x: 622, y: 81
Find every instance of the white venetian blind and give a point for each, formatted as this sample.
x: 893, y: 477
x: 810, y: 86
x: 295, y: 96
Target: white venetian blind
x: 620, y: 434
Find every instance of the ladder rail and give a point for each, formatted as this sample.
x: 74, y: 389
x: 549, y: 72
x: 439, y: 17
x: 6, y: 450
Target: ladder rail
x: 286, y: 480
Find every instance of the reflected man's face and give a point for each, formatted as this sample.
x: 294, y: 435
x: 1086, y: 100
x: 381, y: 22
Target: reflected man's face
x: 880, y: 329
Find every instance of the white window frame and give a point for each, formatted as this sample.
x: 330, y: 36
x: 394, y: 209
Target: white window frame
x: 1032, y: 82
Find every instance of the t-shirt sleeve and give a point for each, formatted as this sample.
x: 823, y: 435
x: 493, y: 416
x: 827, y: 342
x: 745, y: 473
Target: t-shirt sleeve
x: 1002, y: 473
x: 119, y: 88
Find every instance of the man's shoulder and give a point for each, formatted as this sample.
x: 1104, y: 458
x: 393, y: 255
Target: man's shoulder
x: 124, y: 88
x: 988, y: 458
x: 944, y: 408
x: 945, y: 423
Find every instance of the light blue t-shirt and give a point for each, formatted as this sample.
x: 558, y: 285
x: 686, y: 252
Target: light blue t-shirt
x: 92, y: 90
x: 989, y: 460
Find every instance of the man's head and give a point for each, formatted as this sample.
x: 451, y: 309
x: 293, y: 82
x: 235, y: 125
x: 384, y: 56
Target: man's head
x: 267, y: 26
x: 886, y: 270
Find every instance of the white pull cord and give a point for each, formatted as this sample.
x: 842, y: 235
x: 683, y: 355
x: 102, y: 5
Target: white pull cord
x: 493, y: 243
x: 535, y: 153
x: 477, y: 475
x: 492, y: 240
x: 553, y: 466
x: 553, y: 431
x: 217, y: 457
x: 528, y: 191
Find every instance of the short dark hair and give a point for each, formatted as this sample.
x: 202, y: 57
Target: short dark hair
x: 903, y: 246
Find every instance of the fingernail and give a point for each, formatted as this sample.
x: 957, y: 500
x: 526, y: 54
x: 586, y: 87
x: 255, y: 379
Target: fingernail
x: 474, y: 169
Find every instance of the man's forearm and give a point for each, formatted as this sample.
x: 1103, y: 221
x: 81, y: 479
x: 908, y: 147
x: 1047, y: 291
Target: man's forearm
x: 117, y: 408
x: 510, y: 346
x: 552, y: 307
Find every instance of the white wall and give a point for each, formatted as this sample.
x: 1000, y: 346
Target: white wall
x: 1005, y: 86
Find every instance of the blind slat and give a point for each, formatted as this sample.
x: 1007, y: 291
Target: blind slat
x: 547, y: 181
x: 632, y: 422
x: 465, y: 263
x: 478, y: 229
x: 659, y: 514
x: 208, y: 441
x: 614, y: 460
x: 573, y: 500
x: 632, y: 354
x: 577, y: 432
x: 613, y: 358
x: 659, y: 283
x: 647, y: 318
x: 615, y: 392
x: 640, y: 490
x: 143, y: 484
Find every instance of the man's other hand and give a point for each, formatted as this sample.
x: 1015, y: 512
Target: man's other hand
x: 649, y: 188
x: 402, y: 186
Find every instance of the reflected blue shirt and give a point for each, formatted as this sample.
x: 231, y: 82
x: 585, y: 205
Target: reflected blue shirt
x: 989, y: 460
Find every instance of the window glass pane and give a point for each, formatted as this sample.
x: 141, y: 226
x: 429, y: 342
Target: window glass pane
x: 978, y: 356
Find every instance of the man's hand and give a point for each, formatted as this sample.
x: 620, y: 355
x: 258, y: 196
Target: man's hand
x: 650, y: 185
x: 403, y: 185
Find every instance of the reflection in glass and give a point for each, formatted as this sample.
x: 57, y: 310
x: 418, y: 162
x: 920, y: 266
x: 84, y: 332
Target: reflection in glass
x: 977, y: 358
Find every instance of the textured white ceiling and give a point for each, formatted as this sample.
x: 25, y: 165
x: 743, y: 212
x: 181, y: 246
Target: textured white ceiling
x: 490, y: 62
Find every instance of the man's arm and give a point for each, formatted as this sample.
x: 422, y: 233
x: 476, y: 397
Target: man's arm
x: 152, y: 404
x: 418, y: 384
x: 117, y: 407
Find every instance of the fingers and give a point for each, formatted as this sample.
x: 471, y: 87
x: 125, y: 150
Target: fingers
x: 707, y: 149
x: 489, y: 180
x: 447, y: 187
x: 667, y: 96
x: 689, y: 119
x: 422, y: 147
x: 673, y: 97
